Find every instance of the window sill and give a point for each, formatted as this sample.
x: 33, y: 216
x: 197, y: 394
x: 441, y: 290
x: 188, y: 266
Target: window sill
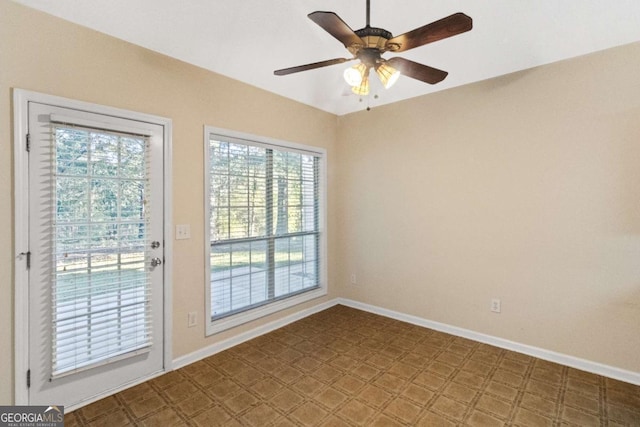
x: 226, y: 323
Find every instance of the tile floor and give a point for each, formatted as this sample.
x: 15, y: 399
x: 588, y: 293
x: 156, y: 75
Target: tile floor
x: 345, y: 367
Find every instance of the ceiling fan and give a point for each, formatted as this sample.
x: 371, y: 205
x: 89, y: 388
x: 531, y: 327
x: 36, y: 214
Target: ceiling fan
x: 369, y: 44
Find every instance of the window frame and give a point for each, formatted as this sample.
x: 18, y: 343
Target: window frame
x: 236, y: 319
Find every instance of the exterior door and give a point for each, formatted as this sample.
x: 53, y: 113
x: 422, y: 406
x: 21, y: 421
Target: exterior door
x: 96, y: 261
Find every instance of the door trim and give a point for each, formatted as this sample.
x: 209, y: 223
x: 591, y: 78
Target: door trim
x: 21, y: 99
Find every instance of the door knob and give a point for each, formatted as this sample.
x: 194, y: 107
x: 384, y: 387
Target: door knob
x: 155, y: 262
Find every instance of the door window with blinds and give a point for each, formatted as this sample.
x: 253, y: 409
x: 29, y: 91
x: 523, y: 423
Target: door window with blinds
x: 100, y: 289
x: 265, y: 226
x: 91, y: 217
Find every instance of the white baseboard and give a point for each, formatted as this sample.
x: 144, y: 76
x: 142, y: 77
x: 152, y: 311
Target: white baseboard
x: 563, y: 359
x: 551, y: 356
x: 246, y: 336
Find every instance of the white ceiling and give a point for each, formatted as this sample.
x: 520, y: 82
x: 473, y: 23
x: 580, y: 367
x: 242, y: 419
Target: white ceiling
x: 248, y: 39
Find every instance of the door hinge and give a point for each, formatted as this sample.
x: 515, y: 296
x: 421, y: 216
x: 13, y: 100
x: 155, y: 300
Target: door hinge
x: 28, y: 255
x: 29, y: 378
x: 28, y: 142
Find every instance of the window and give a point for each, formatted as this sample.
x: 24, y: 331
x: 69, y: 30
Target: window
x: 265, y: 215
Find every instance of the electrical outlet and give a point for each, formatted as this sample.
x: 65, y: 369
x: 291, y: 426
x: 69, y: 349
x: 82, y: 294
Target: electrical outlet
x: 495, y: 305
x: 183, y: 231
x: 192, y: 319
x: 353, y: 279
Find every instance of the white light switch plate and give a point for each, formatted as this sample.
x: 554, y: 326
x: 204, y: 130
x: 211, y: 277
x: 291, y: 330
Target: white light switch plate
x: 183, y: 231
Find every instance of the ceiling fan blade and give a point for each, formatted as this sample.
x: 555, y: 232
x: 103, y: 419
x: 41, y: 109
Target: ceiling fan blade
x: 417, y: 71
x: 312, y: 66
x: 446, y: 27
x: 335, y: 26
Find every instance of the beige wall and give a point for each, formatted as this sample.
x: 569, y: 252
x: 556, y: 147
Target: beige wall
x: 45, y: 54
x: 524, y: 188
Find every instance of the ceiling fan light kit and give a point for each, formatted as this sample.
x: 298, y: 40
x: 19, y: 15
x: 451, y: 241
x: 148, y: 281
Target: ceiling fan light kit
x: 368, y: 44
x: 387, y: 74
x: 363, y: 88
x: 354, y: 75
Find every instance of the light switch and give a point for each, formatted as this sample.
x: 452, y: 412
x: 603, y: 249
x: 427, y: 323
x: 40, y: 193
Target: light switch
x: 183, y: 231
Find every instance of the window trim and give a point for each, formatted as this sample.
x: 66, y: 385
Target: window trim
x: 233, y: 320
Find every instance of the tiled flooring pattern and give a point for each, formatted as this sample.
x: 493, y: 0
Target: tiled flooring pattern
x: 345, y: 367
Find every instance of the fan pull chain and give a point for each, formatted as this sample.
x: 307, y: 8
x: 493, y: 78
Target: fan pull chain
x: 375, y: 96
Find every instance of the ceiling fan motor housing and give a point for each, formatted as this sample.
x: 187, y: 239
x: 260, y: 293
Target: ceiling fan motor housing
x: 373, y: 38
x: 375, y: 43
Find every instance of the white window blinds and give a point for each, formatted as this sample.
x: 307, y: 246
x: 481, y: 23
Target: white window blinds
x: 264, y: 232
x: 100, y: 293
